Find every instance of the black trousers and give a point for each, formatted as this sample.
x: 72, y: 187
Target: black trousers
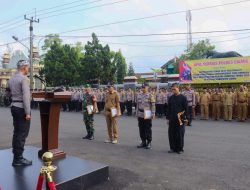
x: 122, y: 105
x: 145, y: 129
x: 21, y: 131
x: 176, y: 136
x: 189, y: 114
x: 64, y: 106
x: 159, y: 109
x: 129, y: 107
x: 102, y: 106
x: 99, y: 106
x: 165, y: 109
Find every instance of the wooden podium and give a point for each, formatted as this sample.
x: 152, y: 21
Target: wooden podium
x: 50, y: 106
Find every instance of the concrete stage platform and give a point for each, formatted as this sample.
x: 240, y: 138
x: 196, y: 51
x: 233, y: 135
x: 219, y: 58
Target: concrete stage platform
x: 72, y: 172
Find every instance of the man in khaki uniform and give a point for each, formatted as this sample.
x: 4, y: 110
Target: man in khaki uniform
x: 235, y: 107
x: 216, y: 99
x: 112, y: 101
x: 197, y: 102
x: 228, y: 102
x: 210, y: 107
x: 153, y: 92
x: 242, y: 102
x: 204, y: 102
x: 222, y: 92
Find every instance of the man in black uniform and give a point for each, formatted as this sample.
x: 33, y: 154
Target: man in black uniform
x: 20, y: 109
x: 177, y: 104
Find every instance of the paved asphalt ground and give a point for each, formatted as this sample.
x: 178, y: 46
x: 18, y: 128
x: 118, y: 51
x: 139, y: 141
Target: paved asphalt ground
x: 216, y: 157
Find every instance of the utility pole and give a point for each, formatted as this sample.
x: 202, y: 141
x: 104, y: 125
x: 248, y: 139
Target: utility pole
x: 31, y: 19
x: 189, y: 29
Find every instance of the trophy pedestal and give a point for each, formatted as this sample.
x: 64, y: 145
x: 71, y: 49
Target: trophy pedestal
x: 72, y: 172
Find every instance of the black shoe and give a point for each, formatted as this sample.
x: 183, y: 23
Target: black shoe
x: 179, y: 152
x: 148, y: 146
x: 21, y: 162
x: 86, y: 137
x: 142, y: 145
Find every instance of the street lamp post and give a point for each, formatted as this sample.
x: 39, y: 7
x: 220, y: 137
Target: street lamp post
x: 31, y: 60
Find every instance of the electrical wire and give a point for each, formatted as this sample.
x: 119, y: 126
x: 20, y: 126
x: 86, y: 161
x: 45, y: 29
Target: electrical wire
x: 153, y: 16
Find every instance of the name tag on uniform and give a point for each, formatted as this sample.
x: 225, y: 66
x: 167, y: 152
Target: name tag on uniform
x: 114, y: 112
x: 90, y: 109
x: 147, y: 113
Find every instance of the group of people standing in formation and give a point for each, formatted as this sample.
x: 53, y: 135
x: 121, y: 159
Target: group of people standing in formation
x: 179, y: 107
x: 215, y: 103
x: 149, y: 103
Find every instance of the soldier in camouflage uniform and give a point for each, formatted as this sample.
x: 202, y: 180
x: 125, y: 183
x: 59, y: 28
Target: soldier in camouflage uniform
x: 145, y: 100
x: 88, y: 118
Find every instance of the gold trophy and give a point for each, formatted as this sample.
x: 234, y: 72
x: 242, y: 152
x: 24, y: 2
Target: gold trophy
x: 181, y: 119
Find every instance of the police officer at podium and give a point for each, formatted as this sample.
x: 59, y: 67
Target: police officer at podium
x: 19, y: 90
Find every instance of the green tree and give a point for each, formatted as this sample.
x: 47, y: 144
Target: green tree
x: 98, y: 62
x: 121, y: 66
x: 108, y: 65
x: 62, y: 65
x: 198, y: 50
x: 131, y: 71
x: 50, y: 40
x: 91, y: 61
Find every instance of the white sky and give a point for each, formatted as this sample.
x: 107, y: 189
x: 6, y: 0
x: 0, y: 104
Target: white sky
x: 143, y: 52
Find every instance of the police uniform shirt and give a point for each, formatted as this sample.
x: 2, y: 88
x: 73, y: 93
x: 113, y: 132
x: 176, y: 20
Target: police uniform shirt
x: 189, y: 94
x: 122, y: 97
x: 160, y: 98
x: 130, y: 96
x: 20, y: 92
x: 145, y: 100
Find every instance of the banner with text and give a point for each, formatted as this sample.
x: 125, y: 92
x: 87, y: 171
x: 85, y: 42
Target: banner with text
x: 225, y: 70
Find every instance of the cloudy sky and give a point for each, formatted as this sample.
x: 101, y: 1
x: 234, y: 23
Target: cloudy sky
x: 145, y: 52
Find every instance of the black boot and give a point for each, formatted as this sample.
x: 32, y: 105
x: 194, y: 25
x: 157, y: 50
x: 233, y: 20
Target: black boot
x: 87, y: 136
x: 20, y: 161
x: 148, y: 145
x: 91, y: 136
x: 142, y: 145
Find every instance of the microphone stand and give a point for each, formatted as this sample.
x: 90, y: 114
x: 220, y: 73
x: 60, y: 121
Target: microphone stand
x: 43, y: 81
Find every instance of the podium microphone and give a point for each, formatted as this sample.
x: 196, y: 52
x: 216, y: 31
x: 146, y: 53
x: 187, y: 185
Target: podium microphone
x: 43, y: 81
